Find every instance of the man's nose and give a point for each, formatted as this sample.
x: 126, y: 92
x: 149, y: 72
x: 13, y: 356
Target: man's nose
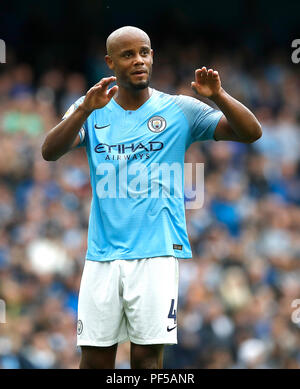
x: 139, y: 59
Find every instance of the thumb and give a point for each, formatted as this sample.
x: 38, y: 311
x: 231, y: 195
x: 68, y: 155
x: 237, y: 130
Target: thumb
x: 193, y: 85
x: 112, y: 91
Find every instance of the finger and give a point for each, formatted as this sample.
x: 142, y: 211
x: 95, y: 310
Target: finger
x: 215, y: 74
x: 198, y: 75
x: 112, y: 91
x: 204, y: 73
x: 193, y: 86
x: 103, y: 86
x: 106, y: 81
x: 210, y: 73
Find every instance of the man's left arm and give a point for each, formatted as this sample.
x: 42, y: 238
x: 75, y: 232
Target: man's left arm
x: 238, y: 123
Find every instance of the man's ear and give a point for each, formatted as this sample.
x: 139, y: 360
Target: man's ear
x: 109, y: 62
x: 152, y: 55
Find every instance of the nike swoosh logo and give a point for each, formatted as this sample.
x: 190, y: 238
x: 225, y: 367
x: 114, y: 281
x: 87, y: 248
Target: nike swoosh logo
x: 170, y: 329
x: 99, y: 128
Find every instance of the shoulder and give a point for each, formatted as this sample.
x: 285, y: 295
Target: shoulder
x: 190, y: 103
x: 183, y: 101
x: 78, y: 102
x: 72, y: 108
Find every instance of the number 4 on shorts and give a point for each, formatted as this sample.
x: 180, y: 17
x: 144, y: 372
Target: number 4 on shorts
x: 172, y: 314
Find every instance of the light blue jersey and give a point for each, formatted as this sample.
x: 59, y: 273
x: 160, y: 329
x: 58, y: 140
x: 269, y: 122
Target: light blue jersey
x: 136, y: 161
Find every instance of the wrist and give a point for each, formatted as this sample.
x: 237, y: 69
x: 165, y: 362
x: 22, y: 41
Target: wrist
x: 218, y: 96
x: 83, y: 109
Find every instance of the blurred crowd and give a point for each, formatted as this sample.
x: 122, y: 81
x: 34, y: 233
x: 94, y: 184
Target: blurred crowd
x: 235, y: 295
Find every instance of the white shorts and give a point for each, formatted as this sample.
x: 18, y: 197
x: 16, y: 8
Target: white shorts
x: 125, y: 300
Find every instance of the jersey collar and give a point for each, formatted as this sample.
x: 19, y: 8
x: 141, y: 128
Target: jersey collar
x: 135, y: 110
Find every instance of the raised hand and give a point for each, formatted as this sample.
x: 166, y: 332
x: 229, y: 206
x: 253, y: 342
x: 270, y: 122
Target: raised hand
x: 207, y: 83
x: 98, y: 96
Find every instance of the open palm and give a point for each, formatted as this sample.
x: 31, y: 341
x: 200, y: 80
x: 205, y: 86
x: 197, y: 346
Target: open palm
x: 99, y: 95
x: 207, y: 83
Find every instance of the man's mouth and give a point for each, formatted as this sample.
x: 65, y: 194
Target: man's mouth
x: 139, y: 72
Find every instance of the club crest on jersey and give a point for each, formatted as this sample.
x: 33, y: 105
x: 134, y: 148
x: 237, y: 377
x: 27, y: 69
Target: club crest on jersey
x: 157, y: 124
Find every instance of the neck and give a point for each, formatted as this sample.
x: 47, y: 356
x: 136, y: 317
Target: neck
x: 133, y: 99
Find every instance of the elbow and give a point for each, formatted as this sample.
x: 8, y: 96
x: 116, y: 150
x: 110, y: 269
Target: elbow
x: 46, y: 155
x: 256, y: 134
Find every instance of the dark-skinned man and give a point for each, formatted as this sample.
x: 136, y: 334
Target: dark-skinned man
x: 136, y: 237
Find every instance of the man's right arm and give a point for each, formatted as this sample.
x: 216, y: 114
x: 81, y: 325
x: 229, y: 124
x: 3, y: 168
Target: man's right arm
x: 65, y: 135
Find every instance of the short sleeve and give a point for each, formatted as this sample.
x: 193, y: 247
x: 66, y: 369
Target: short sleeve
x: 202, y: 118
x: 82, y: 131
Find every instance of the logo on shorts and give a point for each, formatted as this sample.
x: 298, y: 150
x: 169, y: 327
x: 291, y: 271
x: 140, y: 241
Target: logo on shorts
x: 170, y: 329
x: 79, y: 327
x: 157, y: 124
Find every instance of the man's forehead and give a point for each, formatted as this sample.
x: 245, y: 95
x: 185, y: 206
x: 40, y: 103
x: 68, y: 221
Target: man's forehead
x: 127, y: 42
x: 127, y: 39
